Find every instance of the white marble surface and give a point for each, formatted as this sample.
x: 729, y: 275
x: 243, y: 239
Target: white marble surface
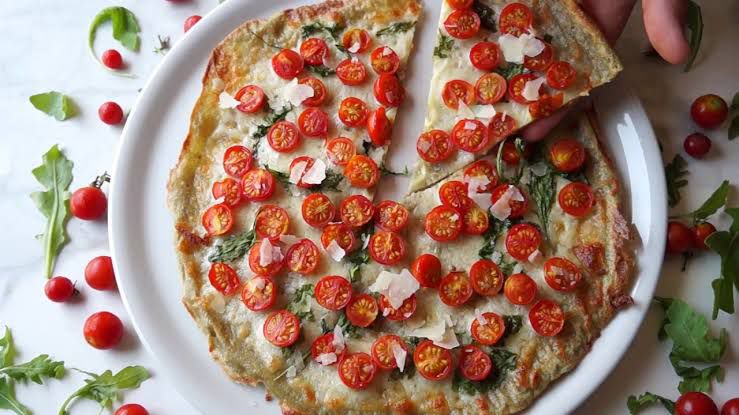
x: 43, y: 47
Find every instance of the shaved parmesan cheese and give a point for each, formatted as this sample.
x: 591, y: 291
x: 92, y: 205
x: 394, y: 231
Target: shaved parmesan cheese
x: 501, y: 209
x: 296, y: 93
x: 464, y: 112
x: 516, y: 194
x: 469, y: 125
x: 535, y: 256
x: 517, y: 268
x: 395, y: 287
x: 355, y: 60
x: 481, y: 319
x: 484, y: 111
x: 515, y: 48
x: 365, y: 240
x: 399, y: 354
x: 531, y: 89
x: 424, y: 145
x: 316, y: 174
x: 289, y: 239
x: 386, y: 51
x: 296, y: 173
x: 265, y: 253
x: 476, y: 184
x: 339, y: 342
x: 326, y: 358
x: 454, y: 217
x: 448, y: 340
x: 354, y: 48
x: 226, y: 101
x: 431, y: 332
x: 336, y: 252
x: 257, y: 283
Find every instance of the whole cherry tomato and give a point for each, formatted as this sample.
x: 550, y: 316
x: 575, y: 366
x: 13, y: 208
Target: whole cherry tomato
x: 731, y: 407
x: 131, y: 409
x: 103, y: 330
x: 697, y: 145
x: 99, y: 273
x: 59, y: 289
x: 709, y: 111
x: 88, y: 203
x: 679, y: 238
x: 695, y: 403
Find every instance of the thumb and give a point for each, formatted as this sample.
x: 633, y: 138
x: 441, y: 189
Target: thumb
x: 664, y: 21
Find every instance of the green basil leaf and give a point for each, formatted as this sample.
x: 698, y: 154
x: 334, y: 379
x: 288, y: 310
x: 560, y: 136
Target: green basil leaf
x: 234, y: 247
x: 444, y: 46
x: 55, y: 104
x: 8, y: 400
x: 647, y: 399
x: 694, y: 24
x: 543, y: 190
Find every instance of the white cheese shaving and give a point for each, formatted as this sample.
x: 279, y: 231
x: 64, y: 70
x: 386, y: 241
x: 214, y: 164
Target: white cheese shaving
x: 296, y: 173
x: 535, y: 256
x: 481, y: 319
x: 484, y: 112
x: 464, y: 112
x: 469, y: 125
x: 326, y: 359
x: 386, y: 51
x: 226, y: 101
x: 454, y: 217
x: 339, y: 341
x: 448, y: 340
x: 517, y: 269
x: 516, y: 48
x: 516, y: 194
x: 289, y: 239
x: 354, y: 48
x: 431, y: 332
x: 531, y: 89
x: 395, y: 287
x: 399, y: 354
x: 265, y: 253
x: 365, y: 240
x: 355, y: 60
x: 336, y: 252
x: 476, y: 184
x: 424, y: 145
x: 296, y: 93
x: 257, y: 283
x: 316, y: 173
x: 483, y: 200
x: 501, y: 209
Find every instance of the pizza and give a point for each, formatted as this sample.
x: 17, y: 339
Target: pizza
x: 499, y: 65
x: 470, y: 295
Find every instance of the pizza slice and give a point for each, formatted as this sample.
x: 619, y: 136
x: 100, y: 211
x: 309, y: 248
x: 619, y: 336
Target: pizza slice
x: 499, y: 65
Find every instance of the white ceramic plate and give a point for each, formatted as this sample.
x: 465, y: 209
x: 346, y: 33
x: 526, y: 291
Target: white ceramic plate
x: 141, y: 228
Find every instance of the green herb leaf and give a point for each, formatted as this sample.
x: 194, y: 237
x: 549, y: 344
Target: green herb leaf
x: 400, y: 27
x: 503, y: 362
x: 694, y: 379
x: 407, y: 373
x: 511, y: 70
x: 675, y: 173
x: 646, y: 400
x: 735, y: 102
x: 106, y: 388
x: 444, y: 46
x: 543, y: 190
x: 490, y: 237
x: 487, y: 16
x: 8, y: 400
x: 331, y: 182
x: 281, y: 177
x: 716, y: 201
x: 694, y: 24
x: 384, y: 170
x: 349, y: 329
x: 734, y: 128
x: 300, y: 302
x: 55, y: 174
x: 360, y: 256
x: 7, y: 349
x: 322, y: 70
x: 234, y: 247
x: 333, y: 30
x: 726, y: 245
x: 55, y: 104
x: 272, y: 118
x: 36, y: 370
x: 125, y: 30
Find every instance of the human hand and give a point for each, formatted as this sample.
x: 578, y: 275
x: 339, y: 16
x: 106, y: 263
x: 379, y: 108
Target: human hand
x: 663, y: 20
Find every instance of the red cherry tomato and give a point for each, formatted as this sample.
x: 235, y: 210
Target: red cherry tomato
x: 218, y: 219
x: 314, y: 51
x: 333, y: 292
x: 520, y: 289
x: 356, y: 211
x: 562, y: 274
x: 695, y: 403
x: 697, y: 145
x: 362, y: 310
x: 59, y: 289
x: 731, y: 407
x: 340, y: 233
x: 404, y: 312
x: 456, y: 91
x: 427, y: 270
x: 486, y: 277
x: 110, y: 113
x: 319, y: 91
x: 303, y: 257
x: 391, y: 216
x: 387, y: 248
x: 88, y: 203
x: 476, y: 220
x: 679, y: 238
x: 462, y: 24
x: 229, y: 189
x: 131, y: 409
x: 353, y: 112
x: 547, y: 318
x: 313, y: 122
x: 702, y: 231
x: 351, y: 72
x: 485, y: 170
x: 501, y: 126
x: 490, y: 88
x: 281, y: 328
x: 709, y: 111
x: 325, y: 344
x: 112, y: 59
x: 454, y: 193
x: 460, y: 4
x: 287, y: 64
x: 255, y: 261
x: 383, y: 351
x: 511, y: 155
x: 518, y: 207
x: 99, y: 273
x: 455, y: 289
x: 223, y: 278
x: 270, y: 222
x: 443, y: 223
x: 540, y: 62
x: 103, y: 330
x: 433, y: 362
x: 252, y: 99
x: 259, y: 293
x: 356, y: 40
x: 190, y: 22
x: 576, y: 199
x: 546, y: 105
x: 490, y: 330
x: 561, y: 75
x: 379, y: 127
x: 435, y: 146
x: 340, y: 150
x: 474, y: 364
x: 385, y: 60
x: 388, y: 90
x: 517, y: 84
x: 362, y: 172
x: 522, y: 240
x: 237, y: 161
x: 485, y: 56
x: 515, y: 19
x: 567, y: 155
x: 283, y: 136
x: 470, y: 135
x: 357, y: 370
x: 258, y: 185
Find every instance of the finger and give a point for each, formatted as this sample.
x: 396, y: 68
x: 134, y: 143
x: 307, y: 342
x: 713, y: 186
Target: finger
x: 663, y: 20
x: 539, y: 129
x: 611, y: 16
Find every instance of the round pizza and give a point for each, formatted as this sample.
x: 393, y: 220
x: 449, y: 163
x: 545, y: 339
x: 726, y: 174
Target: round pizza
x: 473, y: 293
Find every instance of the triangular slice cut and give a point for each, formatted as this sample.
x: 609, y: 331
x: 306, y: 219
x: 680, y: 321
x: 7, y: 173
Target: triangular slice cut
x: 498, y: 66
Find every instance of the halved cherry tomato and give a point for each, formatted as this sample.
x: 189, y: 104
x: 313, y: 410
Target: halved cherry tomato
x: 458, y: 90
x: 470, y: 135
x: 455, y: 288
x: 252, y: 99
x: 491, y: 88
x: 223, y: 278
x: 518, y: 207
x: 228, y: 189
x: 427, y: 270
x: 474, y: 364
x: 314, y: 51
x: 567, y: 155
x: 476, y: 220
x: 386, y: 247
x: 384, y: 60
x: 362, y: 310
x: 313, y: 122
x: 237, y: 161
x: 547, y: 318
x: 443, y: 223
x: 283, y: 137
x: 546, y: 105
x: 319, y: 91
x: 486, y: 277
x: 485, y: 56
x: 218, y: 219
x: 362, y: 171
x: 357, y: 370
x: 359, y: 37
x: 281, y: 328
x: 561, y: 75
x: 405, y: 311
x: 351, y: 72
x: 383, y: 351
x: 259, y: 293
x: 379, y: 127
x: 435, y: 146
x: 356, y: 211
x: 515, y: 19
x: 561, y: 274
x: 270, y: 222
x: 462, y: 24
x: 309, y: 161
x: 454, y: 193
x: 287, y: 64
x: 517, y: 84
x: 520, y: 289
x: 340, y: 150
x: 258, y: 185
x: 340, y: 233
x: 522, y: 240
x: 485, y: 170
x: 511, y: 155
x: 353, y: 112
x: 302, y: 257
x: 325, y: 344
x: 255, y: 262
x: 333, y: 292
x: 490, y: 332
x: 433, y: 362
x: 460, y: 4
x: 541, y: 61
x: 391, y: 216
x: 501, y: 126
x: 388, y: 90
x: 317, y: 210
x: 576, y: 199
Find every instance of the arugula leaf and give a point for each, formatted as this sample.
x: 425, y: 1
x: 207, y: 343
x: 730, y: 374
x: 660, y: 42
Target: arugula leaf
x: 487, y: 15
x: 716, y: 201
x: 675, y: 173
x: 7, y: 349
x: 694, y: 379
x: 511, y: 70
x: 694, y: 25
x: 332, y: 30
x: 234, y: 247
x: 399, y: 27
x: 490, y: 237
x: 408, y: 372
x: 55, y: 174
x: 360, y: 256
x: 331, y: 182
x: 726, y: 245
x: 55, y: 104
x: 281, y: 177
x: 106, y: 387
x: 300, y: 302
x: 35, y: 370
x: 543, y: 190
x: 125, y: 30
x: 734, y: 128
x: 8, y: 400
x: 636, y: 404
x: 443, y: 46
x: 322, y: 70
x: 272, y: 118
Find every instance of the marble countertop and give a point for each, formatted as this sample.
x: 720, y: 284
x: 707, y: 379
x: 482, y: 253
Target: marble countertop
x: 44, y: 48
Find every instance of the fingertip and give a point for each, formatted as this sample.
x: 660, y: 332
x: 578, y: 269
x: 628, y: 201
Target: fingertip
x: 663, y: 20
x: 539, y: 129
